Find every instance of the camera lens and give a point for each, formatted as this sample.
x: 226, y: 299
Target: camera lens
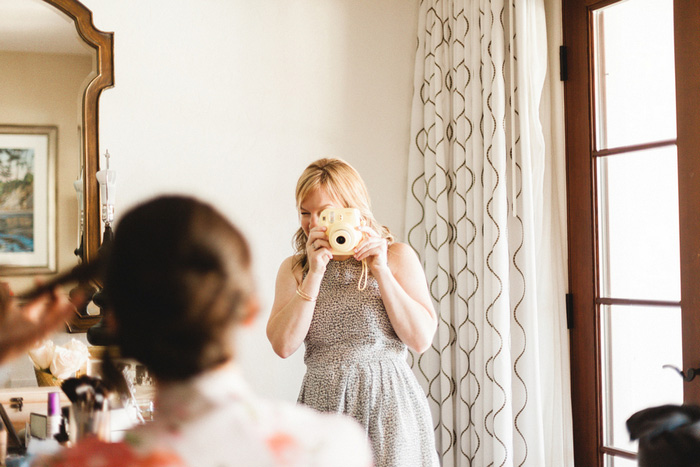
x: 340, y: 240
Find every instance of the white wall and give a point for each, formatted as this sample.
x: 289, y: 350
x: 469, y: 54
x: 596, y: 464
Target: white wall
x: 229, y: 100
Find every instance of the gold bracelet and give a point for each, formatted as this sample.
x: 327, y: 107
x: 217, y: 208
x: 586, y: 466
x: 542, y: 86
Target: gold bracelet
x: 305, y: 296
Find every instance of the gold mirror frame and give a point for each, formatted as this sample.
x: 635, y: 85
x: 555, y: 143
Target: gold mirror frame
x: 103, y: 44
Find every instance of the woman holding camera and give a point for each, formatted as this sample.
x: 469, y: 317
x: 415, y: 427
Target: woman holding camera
x: 356, y: 314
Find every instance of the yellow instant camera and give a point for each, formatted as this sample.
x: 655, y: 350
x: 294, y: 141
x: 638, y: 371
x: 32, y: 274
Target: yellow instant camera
x: 341, y: 229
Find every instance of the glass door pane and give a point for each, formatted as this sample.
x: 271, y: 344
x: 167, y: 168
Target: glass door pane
x: 637, y: 226
x: 639, y: 341
x: 635, y: 79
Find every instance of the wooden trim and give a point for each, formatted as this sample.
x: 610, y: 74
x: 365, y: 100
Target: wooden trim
x: 628, y: 301
x: 598, y: 4
x: 619, y: 453
x: 580, y: 209
x: 687, y: 43
x: 103, y: 44
x: 633, y: 148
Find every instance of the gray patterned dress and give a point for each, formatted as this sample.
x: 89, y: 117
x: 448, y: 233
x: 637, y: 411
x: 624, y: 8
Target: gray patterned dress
x: 356, y: 365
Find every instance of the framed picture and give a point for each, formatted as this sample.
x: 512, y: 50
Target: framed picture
x: 27, y: 199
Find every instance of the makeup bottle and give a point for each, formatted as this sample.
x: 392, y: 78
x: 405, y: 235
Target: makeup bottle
x: 53, y: 420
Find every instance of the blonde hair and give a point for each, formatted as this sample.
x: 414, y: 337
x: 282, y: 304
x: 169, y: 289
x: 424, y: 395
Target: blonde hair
x: 342, y: 183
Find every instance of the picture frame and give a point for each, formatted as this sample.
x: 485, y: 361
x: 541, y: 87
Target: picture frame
x: 27, y: 199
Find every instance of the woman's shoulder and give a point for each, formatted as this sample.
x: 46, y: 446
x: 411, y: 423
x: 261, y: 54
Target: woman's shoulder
x: 402, y: 248
x: 287, y: 264
x: 401, y: 253
x: 290, y: 268
x: 266, y: 433
x: 404, y: 261
x: 330, y: 439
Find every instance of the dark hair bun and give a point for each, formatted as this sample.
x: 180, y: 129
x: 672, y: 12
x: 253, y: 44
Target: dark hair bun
x: 177, y: 280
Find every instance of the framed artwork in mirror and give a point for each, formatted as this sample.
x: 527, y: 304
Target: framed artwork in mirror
x: 27, y: 199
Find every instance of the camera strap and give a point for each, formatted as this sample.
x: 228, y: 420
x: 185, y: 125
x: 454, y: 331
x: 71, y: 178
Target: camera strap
x: 362, y: 284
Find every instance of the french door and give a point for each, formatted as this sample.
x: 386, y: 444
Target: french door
x: 632, y: 96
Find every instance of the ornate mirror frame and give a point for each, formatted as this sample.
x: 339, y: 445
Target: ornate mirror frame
x: 103, y: 44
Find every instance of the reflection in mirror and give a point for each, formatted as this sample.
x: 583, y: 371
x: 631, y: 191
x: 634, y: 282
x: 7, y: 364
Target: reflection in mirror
x: 46, y: 69
x: 55, y: 66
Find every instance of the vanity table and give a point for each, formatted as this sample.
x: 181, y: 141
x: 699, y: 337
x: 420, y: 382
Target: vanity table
x: 20, y: 403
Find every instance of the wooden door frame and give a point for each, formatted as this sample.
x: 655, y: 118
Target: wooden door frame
x: 580, y: 211
x: 585, y: 382
x: 686, y: 18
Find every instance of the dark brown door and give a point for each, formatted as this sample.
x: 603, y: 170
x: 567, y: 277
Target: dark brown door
x: 633, y: 174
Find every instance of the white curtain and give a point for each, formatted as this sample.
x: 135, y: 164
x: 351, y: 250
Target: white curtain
x: 484, y: 215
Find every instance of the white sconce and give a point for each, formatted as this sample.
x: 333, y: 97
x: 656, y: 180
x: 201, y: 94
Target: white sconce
x: 107, y: 180
x: 78, y: 185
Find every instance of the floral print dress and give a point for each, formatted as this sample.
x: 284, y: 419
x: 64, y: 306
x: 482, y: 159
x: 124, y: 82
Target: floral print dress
x: 215, y: 420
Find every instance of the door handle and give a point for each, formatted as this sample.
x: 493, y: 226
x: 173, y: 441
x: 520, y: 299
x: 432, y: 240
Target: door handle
x: 687, y: 376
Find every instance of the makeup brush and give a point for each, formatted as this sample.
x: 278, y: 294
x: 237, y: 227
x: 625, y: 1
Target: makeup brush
x: 81, y: 273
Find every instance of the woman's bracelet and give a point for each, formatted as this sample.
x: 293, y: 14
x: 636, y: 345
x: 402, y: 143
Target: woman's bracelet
x: 305, y: 296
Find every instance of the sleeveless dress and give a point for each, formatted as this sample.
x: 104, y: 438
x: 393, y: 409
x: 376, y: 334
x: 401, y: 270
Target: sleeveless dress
x: 356, y: 365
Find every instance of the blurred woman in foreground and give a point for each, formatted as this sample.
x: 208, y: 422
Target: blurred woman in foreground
x: 180, y: 285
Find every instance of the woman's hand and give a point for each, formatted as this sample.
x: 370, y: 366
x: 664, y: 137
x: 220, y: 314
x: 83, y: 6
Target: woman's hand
x: 23, y: 326
x: 373, y: 248
x: 318, y: 250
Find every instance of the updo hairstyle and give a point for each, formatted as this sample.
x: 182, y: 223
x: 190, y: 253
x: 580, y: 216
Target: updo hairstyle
x: 178, y: 278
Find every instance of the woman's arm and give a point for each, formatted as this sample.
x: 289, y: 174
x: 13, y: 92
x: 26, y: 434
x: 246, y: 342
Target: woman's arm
x: 403, y: 289
x: 291, y: 315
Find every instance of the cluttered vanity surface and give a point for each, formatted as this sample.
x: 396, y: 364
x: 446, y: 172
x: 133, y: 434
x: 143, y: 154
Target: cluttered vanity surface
x: 61, y: 411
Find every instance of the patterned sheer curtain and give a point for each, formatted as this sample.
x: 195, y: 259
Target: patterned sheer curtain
x: 481, y: 216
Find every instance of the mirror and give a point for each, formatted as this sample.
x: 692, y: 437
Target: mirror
x: 102, y: 42
x: 61, y: 30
